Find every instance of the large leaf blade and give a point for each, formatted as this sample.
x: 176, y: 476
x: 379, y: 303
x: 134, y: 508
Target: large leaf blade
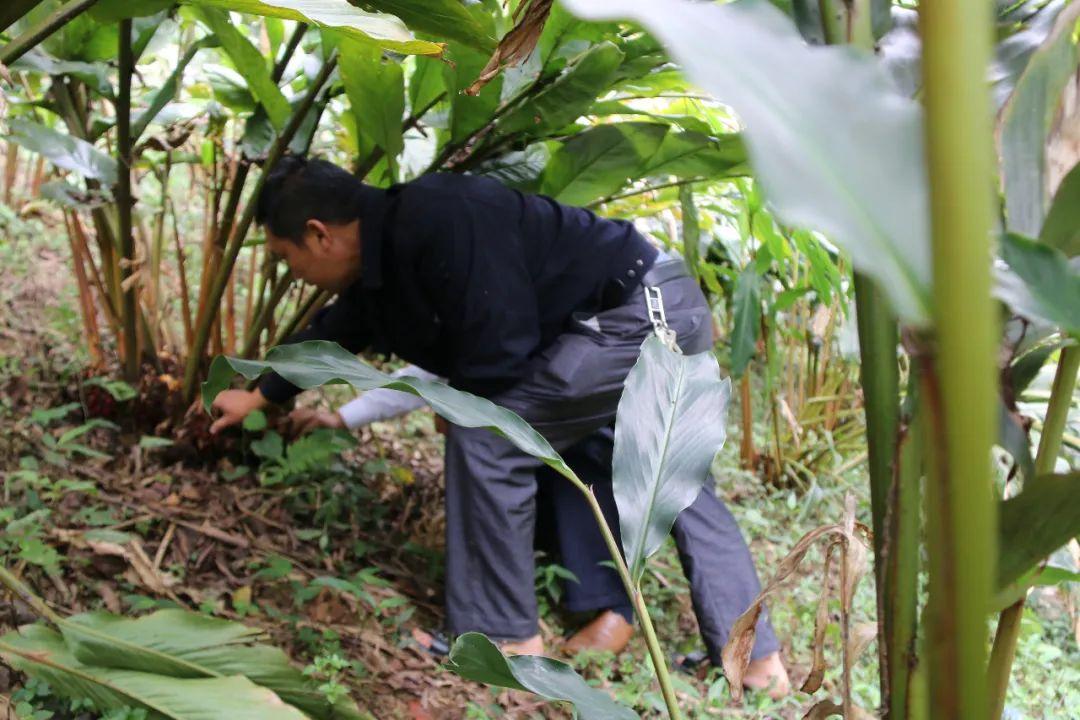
x: 318, y: 362
x: 381, y: 29
x: 475, y: 657
x: 668, y: 429
x: 375, y: 87
x: 64, y: 151
x: 1035, y: 523
x: 182, y: 644
x: 809, y: 134
x: 1049, y: 287
x: 249, y: 63
x: 41, y: 653
x: 599, y: 161
x: 1026, y: 120
x: 1061, y: 229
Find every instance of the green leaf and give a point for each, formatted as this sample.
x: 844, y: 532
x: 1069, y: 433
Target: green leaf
x: 1035, y: 523
x: 383, y: 30
x: 64, y: 151
x: 42, y: 654
x: 747, y: 326
x: 182, y: 644
x: 167, y: 92
x: 1050, y: 288
x: 376, y: 89
x: 1061, y: 229
x: 255, y: 421
x: 569, y: 96
x: 249, y: 63
x: 600, y: 161
x: 668, y: 429
x: 110, y: 11
x: 469, y: 113
x: 1026, y: 120
x: 475, y: 657
x: 269, y: 447
x: 809, y: 134
x: 94, y: 74
x: 314, y: 363
x: 448, y: 19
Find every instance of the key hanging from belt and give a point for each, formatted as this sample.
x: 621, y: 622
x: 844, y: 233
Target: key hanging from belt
x: 654, y: 301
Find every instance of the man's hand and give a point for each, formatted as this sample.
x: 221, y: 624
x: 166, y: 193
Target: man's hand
x: 302, y: 420
x: 235, y: 406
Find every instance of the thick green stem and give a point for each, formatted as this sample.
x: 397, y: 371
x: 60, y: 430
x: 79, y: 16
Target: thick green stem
x: 124, y: 201
x: 901, y: 566
x: 962, y: 401
x: 232, y: 249
x: 1008, y: 629
x: 878, y: 339
x: 262, y: 319
x: 39, y: 32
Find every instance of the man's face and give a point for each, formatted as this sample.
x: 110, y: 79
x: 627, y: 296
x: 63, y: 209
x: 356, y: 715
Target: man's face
x: 328, y: 257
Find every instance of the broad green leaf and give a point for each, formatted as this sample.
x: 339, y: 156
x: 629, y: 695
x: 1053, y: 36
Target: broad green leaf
x: 1061, y: 229
x: 520, y: 170
x: 41, y: 653
x: 383, y: 30
x: 448, y: 19
x: 1014, y: 52
x: 249, y: 63
x: 110, y: 11
x: 809, y: 133
x: 64, y: 151
x: 475, y: 657
x: 1035, y: 523
x: 314, y: 363
x: 181, y: 644
x: 747, y: 326
x: 1026, y: 120
x: 691, y: 154
x: 376, y: 89
x: 1050, y: 288
x: 95, y: 74
x: 167, y: 92
x: 569, y: 96
x: 426, y: 83
x: 600, y: 161
x: 469, y: 113
x: 668, y: 429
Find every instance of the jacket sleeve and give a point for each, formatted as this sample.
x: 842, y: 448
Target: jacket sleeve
x: 475, y: 270
x: 339, y: 322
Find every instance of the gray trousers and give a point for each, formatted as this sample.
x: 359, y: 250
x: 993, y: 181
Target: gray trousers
x: 570, y: 395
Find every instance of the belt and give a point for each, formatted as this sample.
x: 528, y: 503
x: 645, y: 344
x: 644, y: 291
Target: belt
x: 664, y: 270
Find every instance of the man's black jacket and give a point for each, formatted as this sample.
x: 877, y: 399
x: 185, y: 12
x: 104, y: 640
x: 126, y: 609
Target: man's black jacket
x: 468, y: 279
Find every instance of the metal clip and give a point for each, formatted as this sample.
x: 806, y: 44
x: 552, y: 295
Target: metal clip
x: 654, y: 302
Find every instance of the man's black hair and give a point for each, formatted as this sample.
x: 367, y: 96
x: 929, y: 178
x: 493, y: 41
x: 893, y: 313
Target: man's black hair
x: 299, y: 189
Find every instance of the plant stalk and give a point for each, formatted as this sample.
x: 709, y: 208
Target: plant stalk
x: 962, y: 393
x: 202, y: 332
x: 1008, y: 628
x: 124, y: 202
x: 667, y: 689
x: 33, y: 36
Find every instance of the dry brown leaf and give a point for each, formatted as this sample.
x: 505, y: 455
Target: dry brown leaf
x: 821, y: 618
x: 824, y: 709
x: 736, y: 652
x: 517, y: 44
x: 861, y: 637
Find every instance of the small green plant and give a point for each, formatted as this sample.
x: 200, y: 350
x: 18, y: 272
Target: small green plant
x: 329, y: 671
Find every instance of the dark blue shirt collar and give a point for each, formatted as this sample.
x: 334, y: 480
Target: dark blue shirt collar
x: 372, y: 206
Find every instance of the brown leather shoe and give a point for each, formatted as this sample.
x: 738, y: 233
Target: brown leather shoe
x: 608, y: 631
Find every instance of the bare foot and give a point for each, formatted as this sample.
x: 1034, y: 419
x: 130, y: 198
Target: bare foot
x: 768, y: 673
x: 529, y: 646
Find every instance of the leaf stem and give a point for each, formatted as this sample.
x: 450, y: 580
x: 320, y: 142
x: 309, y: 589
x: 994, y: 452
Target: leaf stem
x: 33, y: 36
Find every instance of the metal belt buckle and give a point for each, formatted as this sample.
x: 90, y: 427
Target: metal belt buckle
x: 654, y: 301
